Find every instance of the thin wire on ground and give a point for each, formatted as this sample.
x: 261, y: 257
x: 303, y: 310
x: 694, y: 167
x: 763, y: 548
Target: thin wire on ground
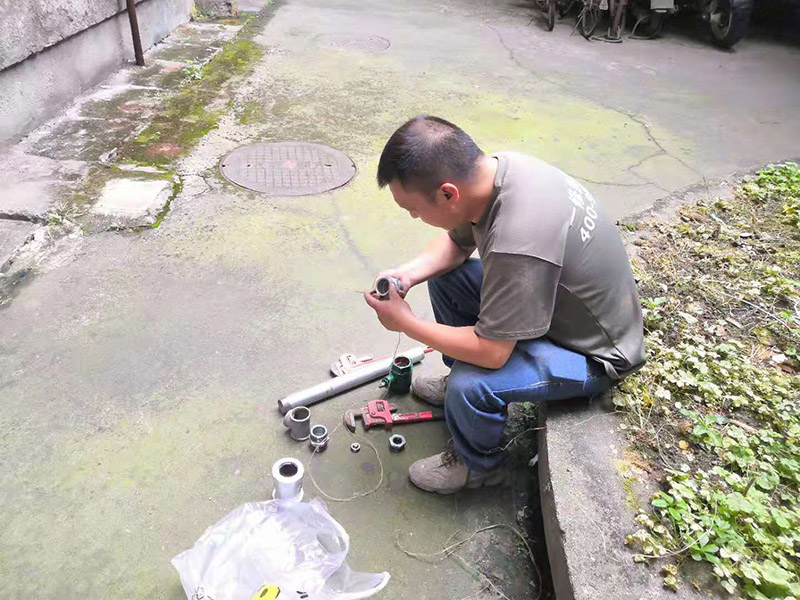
x: 450, y: 550
x: 358, y: 495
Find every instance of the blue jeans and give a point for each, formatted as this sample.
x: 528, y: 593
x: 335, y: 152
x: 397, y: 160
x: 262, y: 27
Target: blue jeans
x: 476, y: 402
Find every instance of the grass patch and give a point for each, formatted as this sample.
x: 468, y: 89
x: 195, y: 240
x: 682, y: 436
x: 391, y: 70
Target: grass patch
x: 717, y: 407
x: 177, y: 186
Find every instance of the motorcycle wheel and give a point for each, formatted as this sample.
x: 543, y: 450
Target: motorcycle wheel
x: 551, y: 14
x: 728, y: 20
x: 590, y: 19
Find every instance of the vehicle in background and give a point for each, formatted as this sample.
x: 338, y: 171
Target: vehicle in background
x: 727, y: 19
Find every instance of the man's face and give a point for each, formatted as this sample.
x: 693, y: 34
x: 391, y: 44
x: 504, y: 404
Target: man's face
x: 443, y: 212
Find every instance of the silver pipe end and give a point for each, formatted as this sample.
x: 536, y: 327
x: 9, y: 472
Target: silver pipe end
x: 287, y: 476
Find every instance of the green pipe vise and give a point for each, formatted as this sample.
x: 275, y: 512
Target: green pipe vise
x: 399, y: 378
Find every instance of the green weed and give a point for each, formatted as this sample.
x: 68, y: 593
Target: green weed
x: 717, y: 407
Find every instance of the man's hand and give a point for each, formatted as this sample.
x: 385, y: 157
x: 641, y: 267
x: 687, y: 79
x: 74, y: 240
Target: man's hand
x: 461, y: 343
x: 393, y: 312
x: 441, y: 255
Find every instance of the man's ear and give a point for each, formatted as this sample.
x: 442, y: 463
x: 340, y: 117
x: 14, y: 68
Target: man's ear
x: 449, y: 192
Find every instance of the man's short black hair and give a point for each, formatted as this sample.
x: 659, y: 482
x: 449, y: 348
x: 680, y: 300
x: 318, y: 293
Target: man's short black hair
x: 425, y: 152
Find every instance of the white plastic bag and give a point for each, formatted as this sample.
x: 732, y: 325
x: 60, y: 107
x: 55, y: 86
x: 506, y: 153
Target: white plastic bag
x: 294, y: 546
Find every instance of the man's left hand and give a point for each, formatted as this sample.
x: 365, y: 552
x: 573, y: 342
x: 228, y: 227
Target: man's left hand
x: 393, y: 312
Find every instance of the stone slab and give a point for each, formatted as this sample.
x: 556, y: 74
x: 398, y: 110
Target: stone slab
x: 29, y: 184
x: 12, y: 235
x: 137, y: 200
x: 587, y: 510
x: 28, y: 200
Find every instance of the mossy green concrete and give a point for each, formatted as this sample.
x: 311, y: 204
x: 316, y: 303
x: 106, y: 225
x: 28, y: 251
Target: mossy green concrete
x: 353, y: 100
x: 254, y: 112
x: 188, y: 116
x: 124, y: 489
x: 583, y: 137
x: 629, y: 480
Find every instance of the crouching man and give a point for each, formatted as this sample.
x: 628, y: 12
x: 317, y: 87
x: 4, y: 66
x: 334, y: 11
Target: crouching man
x: 550, y: 311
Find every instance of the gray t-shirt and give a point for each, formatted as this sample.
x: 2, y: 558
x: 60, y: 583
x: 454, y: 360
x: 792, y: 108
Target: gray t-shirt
x: 554, y: 264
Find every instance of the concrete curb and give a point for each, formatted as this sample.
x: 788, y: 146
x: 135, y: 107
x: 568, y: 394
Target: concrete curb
x: 588, y: 505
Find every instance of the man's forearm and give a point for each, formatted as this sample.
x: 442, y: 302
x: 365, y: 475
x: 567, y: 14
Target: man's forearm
x: 441, y: 256
x: 460, y: 343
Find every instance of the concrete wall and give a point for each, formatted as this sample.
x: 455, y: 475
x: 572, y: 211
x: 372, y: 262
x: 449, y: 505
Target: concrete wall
x: 52, y: 50
x: 218, y: 8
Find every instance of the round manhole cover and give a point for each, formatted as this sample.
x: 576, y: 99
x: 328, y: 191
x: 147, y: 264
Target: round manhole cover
x: 288, y: 168
x: 366, y: 43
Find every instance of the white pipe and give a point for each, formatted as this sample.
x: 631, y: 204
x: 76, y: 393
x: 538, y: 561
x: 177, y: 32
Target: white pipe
x: 287, y: 475
x: 337, y: 385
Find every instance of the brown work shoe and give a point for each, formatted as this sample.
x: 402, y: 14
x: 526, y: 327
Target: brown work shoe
x: 444, y: 473
x: 430, y: 389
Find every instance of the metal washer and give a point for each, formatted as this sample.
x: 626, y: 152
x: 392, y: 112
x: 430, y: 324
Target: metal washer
x: 288, y: 168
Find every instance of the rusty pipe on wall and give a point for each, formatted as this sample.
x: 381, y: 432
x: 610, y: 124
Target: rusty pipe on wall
x: 137, y: 40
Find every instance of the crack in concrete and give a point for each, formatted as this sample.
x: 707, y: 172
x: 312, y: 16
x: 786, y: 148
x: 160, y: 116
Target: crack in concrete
x: 351, y: 244
x: 639, y: 163
x: 513, y: 58
x: 614, y: 183
x: 650, y: 181
x: 14, y: 216
x: 659, y: 145
x: 662, y: 151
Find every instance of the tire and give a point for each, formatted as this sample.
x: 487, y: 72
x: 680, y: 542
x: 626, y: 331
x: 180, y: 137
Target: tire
x: 589, y: 19
x: 648, y: 25
x: 728, y: 21
x: 552, y: 6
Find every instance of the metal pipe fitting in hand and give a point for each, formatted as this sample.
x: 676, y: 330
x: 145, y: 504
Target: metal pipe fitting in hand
x: 383, y: 285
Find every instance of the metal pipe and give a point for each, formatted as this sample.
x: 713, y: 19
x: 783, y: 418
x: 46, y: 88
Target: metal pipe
x: 137, y: 41
x: 298, y: 421
x: 337, y: 385
x: 287, y: 475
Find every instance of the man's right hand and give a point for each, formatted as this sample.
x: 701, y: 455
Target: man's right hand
x: 441, y: 255
x: 400, y: 274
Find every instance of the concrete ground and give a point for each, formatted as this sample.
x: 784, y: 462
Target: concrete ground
x: 139, y: 371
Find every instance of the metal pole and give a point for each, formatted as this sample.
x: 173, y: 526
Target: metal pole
x: 337, y: 385
x: 137, y: 42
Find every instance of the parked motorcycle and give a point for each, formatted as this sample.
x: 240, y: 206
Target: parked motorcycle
x: 727, y: 19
